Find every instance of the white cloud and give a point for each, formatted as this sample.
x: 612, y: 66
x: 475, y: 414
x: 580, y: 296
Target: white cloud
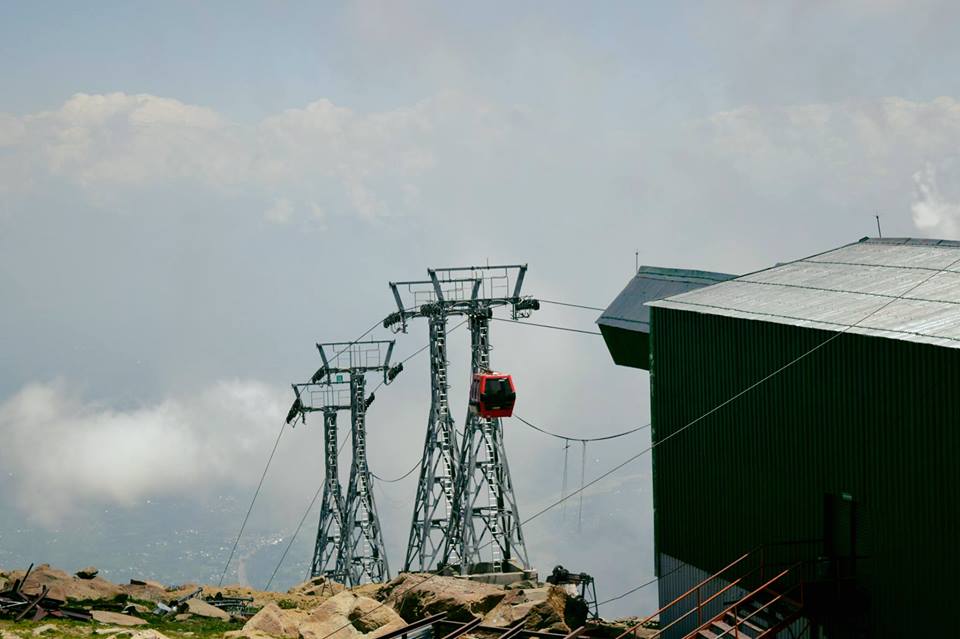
x: 930, y: 209
x: 855, y: 155
x: 858, y: 136
x: 358, y: 163
x: 61, y: 452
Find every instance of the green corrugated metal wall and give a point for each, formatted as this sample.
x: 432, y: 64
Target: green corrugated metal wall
x: 873, y: 417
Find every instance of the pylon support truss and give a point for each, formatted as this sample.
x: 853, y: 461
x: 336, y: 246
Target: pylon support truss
x: 349, y: 547
x: 364, y: 539
x: 487, y: 532
x: 328, y: 558
x: 450, y: 525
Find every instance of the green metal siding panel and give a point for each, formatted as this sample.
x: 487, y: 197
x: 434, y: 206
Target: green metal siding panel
x: 873, y: 417
x: 628, y: 348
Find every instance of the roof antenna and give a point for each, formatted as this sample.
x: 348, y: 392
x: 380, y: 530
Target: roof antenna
x: 636, y: 262
x: 879, y: 232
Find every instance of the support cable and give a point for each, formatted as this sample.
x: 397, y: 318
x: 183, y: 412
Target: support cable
x: 563, y: 484
x: 581, y: 439
x: 418, y: 351
x: 256, y: 493
x: 667, y: 438
x: 583, y: 472
x: 302, y: 519
x: 589, y: 308
x: 630, y: 592
x: 641, y: 586
x: 556, y: 328
x: 401, y: 477
x: 295, y: 533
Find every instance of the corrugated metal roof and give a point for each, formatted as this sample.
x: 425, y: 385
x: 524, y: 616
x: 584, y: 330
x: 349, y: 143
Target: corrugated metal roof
x: 628, y: 310
x: 907, y: 289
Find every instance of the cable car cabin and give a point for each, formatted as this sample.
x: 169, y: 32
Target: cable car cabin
x: 492, y: 395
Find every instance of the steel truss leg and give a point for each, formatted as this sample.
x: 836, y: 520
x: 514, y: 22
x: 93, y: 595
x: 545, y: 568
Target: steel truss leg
x: 365, y: 548
x: 435, y: 489
x: 330, y: 553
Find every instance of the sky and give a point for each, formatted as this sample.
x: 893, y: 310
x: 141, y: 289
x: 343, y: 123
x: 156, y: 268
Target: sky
x: 192, y: 195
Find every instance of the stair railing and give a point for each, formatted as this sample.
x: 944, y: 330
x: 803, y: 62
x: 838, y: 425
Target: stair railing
x: 693, y: 590
x: 733, y: 609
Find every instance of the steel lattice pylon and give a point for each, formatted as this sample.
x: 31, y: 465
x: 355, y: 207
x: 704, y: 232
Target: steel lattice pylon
x: 364, y: 539
x: 349, y: 546
x: 448, y: 530
x: 329, y: 559
x: 485, y: 473
x: 433, y: 503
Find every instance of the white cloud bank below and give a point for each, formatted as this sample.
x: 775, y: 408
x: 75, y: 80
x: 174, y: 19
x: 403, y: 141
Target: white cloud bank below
x: 61, y: 452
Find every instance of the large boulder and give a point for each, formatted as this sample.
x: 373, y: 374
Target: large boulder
x: 272, y: 621
x: 418, y: 595
x: 317, y: 587
x: 63, y: 586
x: 201, y: 608
x: 549, y: 608
x: 344, y: 616
x: 329, y: 629
x: 260, y: 598
x: 146, y: 590
x: 350, y: 616
x: 116, y: 618
x: 148, y: 634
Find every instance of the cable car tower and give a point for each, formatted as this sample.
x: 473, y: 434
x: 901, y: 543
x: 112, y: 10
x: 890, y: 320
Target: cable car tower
x: 484, y: 505
x: 433, y: 504
x: 329, y: 397
x: 362, y: 551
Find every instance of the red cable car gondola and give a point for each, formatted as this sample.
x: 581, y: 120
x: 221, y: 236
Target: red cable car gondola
x: 492, y: 395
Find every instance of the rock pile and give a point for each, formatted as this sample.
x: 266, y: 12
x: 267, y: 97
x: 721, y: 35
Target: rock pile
x: 415, y: 596
x: 343, y: 616
x: 315, y: 609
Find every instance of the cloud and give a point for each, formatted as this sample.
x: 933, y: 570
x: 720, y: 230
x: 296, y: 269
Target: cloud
x: 853, y: 156
x: 930, y: 209
x: 865, y: 137
x: 358, y: 163
x: 62, y: 453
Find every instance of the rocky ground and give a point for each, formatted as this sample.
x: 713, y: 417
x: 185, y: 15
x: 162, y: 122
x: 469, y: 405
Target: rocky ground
x: 316, y: 609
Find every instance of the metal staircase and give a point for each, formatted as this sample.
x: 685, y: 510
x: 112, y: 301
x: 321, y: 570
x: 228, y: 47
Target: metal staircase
x: 763, y: 612
x: 743, y: 600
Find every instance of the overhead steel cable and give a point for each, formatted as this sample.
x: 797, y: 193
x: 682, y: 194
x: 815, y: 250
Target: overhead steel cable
x: 629, y: 592
x: 589, y: 308
x: 267, y: 467
x: 306, y: 513
x: 236, y: 542
x: 417, y: 352
x: 641, y: 586
x: 556, y: 328
x: 302, y: 519
x: 581, y: 439
x: 401, y: 477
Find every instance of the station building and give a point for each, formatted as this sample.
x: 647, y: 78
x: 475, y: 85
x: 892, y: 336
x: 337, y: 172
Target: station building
x: 806, y: 424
